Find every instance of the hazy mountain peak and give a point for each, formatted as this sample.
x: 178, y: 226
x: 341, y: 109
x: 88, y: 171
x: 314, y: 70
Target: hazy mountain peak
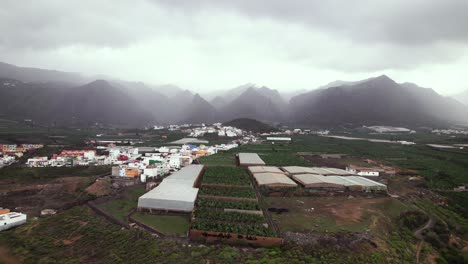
x: 99, y: 83
x: 382, y: 78
x: 197, y: 97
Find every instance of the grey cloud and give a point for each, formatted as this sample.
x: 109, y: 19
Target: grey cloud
x: 54, y: 23
x: 398, y: 21
x: 216, y: 43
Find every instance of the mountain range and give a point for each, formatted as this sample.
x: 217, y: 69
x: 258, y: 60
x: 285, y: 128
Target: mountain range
x: 69, y: 98
x: 462, y: 97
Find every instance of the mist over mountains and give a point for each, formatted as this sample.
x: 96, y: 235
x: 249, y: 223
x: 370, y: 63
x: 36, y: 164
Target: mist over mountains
x: 71, y: 99
x: 462, y: 97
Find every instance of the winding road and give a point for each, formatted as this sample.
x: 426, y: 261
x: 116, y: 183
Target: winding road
x: 418, y: 233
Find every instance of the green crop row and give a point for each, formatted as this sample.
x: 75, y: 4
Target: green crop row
x: 227, y: 181
x: 209, y: 213
x: 226, y: 175
x: 222, y: 172
x: 254, y: 230
x: 228, y: 192
x: 203, y: 202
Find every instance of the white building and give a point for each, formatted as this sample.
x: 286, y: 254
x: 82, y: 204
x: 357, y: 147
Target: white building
x: 11, y: 219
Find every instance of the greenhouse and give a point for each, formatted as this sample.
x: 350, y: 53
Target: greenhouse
x: 250, y: 159
x: 273, y: 180
x: 265, y: 169
x: 175, y: 193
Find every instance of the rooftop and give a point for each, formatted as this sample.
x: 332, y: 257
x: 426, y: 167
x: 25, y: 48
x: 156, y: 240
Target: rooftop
x: 273, y: 179
x: 250, y: 159
x: 263, y: 169
x: 315, y: 170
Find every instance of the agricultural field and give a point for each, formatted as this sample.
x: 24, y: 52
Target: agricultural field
x: 226, y: 176
x: 332, y: 214
x: 119, y: 207
x: 166, y: 224
x: 35, y: 175
x: 221, y: 215
x: 241, y: 205
x: 242, y: 229
x: 228, y: 192
x: 79, y: 236
x: 220, y: 159
x: 210, y: 213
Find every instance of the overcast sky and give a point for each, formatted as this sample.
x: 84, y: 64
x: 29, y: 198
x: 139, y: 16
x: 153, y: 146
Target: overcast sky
x: 208, y: 45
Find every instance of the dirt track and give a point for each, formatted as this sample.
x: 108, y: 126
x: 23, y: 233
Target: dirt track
x: 418, y: 233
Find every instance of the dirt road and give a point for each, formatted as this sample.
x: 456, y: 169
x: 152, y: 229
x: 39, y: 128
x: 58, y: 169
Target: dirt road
x: 418, y: 233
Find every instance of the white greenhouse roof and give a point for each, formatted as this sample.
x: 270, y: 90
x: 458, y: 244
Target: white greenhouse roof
x: 170, y: 196
x: 365, y: 182
x: 314, y: 178
x: 189, y: 173
x: 174, y: 193
x: 273, y: 179
x: 316, y: 170
x: 263, y: 169
x: 250, y: 159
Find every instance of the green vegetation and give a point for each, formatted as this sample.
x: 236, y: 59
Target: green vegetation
x: 220, y: 159
x: 209, y: 213
x: 228, y: 192
x: 204, y: 202
x: 413, y: 219
x: 79, y: 236
x: 280, y: 158
x: 22, y: 174
x: 226, y: 175
x: 457, y: 202
x: 254, y: 230
x: 166, y: 224
x: 442, y: 169
x: 121, y: 206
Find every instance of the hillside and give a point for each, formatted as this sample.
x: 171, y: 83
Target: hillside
x: 97, y: 101
x: 200, y: 111
x: 250, y: 125
x: 252, y: 104
x: 26, y: 74
x: 377, y: 100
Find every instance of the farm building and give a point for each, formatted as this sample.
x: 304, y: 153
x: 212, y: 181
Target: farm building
x: 364, y: 171
x: 265, y: 169
x: 316, y: 170
x: 190, y: 174
x: 319, y: 181
x: 250, y: 159
x: 352, y: 183
x: 169, y: 196
x: 273, y: 180
x: 367, y: 185
x: 175, y: 193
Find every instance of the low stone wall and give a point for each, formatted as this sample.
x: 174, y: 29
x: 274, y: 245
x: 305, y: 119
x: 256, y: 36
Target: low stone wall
x: 232, y: 238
